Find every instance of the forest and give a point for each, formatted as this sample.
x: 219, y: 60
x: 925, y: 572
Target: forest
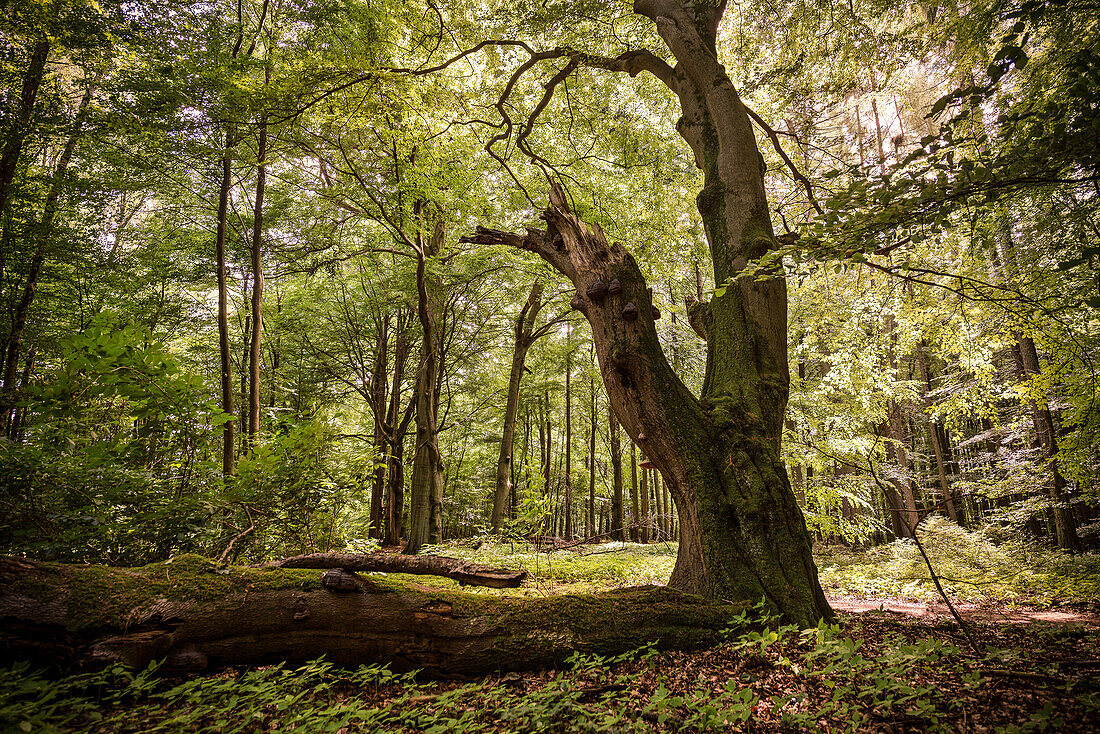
x: 549, y: 365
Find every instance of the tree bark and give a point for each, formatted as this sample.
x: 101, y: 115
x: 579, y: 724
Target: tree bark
x: 591, y: 525
x: 568, y: 471
x: 742, y: 535
x: 524, y: 337
x: 378, y: 410
x: 255, y: 340
x: 195, y: 616
x: 635, y: 510
x: 617, y: 531
x: 1065, y: 527
x: 938, y: 439
x: 647, y: 522
x: 228, y: 428
x: 397, y: 423
x: 426, y: 501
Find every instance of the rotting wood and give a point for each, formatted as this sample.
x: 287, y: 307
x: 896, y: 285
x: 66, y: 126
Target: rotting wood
x: 471, y: 574
x: 194, y: 615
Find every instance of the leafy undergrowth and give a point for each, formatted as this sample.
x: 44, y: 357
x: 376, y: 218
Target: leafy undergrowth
x: 974, y: 566
x: 868, y: 677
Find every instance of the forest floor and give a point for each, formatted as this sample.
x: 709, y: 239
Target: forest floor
x: 1028, y: 660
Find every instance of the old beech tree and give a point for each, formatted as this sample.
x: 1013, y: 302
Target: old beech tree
x: 743, y: 535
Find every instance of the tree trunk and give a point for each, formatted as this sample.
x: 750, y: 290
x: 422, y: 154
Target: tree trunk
x: 568, y: 509
x: 196, y: 616
x: 228, y: 428
x: 647, y: 522
x: 635, y: 510
x: 1065, y: 527
x: 16, y: 133
x: 396, y: 426
x: 939, y: 445
x: 742, y: 535
x: 378, y: 410
x: 426, y: 501
x: 257, y: 285
x: 591, y: 530
x: 617, y: 532
x: 524, y: 337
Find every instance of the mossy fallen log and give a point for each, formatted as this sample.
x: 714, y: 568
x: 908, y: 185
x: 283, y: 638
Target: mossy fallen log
x: 195, y: 615
x: 470, y: 574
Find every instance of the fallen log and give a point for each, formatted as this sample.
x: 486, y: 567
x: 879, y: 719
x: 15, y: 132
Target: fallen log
x: 196, y: 615
x: 464, y: 572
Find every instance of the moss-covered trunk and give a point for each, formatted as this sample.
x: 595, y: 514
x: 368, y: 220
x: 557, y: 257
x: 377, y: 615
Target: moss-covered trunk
x: 196, y: 616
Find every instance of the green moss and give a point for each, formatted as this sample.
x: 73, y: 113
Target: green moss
x: 101, y: 596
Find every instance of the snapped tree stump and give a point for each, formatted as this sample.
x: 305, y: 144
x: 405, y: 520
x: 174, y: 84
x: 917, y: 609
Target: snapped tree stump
x: 195, y: 616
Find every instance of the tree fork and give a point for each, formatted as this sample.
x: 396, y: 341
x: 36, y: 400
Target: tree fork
x: 743, y: 536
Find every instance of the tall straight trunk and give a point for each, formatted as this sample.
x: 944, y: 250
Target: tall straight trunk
x: 39, y: 237
x: 396, y: 426
x: 524, y: 336
x: 255, y: 341
x: 568, y: 469
x: 903, y: 502
x: 226, y: 365
x: 647, y: 521
x: 1065, y: 526
x: 937, y: 437
x: 635, y: 509
x: 378, y: 410
x: 547, y: 464
x: 907, y: 506
x: 591, y: 529
x: 426, y: 500
x: 16, y: 133
x: 666, y: 512
x: 617, y: 531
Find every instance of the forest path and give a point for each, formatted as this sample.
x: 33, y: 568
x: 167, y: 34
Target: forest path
x: 934, y: 612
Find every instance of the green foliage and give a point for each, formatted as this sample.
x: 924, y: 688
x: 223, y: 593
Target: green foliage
x: 974, y: 566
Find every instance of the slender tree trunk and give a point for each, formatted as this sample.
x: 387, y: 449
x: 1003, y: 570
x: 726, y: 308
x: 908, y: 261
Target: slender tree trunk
x: 547, y: 464
x: 1065, y: 527
x: 591, y: 530
x: 39, y: 237
x: 226, y: 364
x: 255, y: 340
x: 426, y: 502
x: 635, y: 510
x: 647, y: 521
x: 16, y: 133
x: 378, y: 409
x: 935, y: 432
x: 568, y: 470
x: 524, y: 336
x: 396, y: 425
x: 617, y: 532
